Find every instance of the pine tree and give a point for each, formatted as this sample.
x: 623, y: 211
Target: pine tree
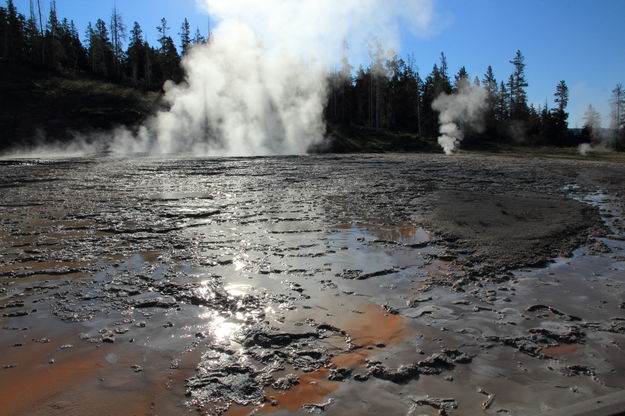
x: 68, y: 62
x: 162, y: 30
x: 52, y: 38
x: 198, y: 39
x: 101, y: 53
x: 185, y: 36
x: 489, y: 83
x: 32, y: 36
x: 618, y: 107
x: 517, y: 85
x: 556, y: 128
x: 4, y: 41
x: 101, y: 32
x: 461, y: 79
x: 78, y: 51
x: 90, y: 45
x: 503, y: 103
x: 118, y: 36
x: 135, y: 53
x: 14, y: 44
x: 562, y: 96
x: 168, y: 55
x: 443, y: 67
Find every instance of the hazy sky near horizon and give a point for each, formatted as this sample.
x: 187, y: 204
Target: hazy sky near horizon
x: 572, y: 40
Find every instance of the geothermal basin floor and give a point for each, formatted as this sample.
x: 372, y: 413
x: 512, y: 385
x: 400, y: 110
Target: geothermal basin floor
x: 339, y: 285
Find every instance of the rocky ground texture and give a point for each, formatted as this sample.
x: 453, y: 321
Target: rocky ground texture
x: 406, y: 284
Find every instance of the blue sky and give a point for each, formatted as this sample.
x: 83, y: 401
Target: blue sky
x: 579, y: 41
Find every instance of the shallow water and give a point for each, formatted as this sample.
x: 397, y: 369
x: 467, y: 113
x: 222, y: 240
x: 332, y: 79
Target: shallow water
x: 219, y: 277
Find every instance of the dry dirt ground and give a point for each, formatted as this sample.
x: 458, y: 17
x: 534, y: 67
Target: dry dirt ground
x: 342, y: 285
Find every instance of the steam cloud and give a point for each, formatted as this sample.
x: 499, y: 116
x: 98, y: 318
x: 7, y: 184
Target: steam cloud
x: 584, y: 149
x: 259, y: 86
x: 458, y: 112
x: 599, y: 140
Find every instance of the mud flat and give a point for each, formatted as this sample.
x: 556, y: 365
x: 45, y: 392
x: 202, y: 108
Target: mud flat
x: 404, y: 284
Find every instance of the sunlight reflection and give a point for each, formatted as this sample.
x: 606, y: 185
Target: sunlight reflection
x: 238, y: 289
x: 239, y: 264
x: 221, y: 328
x: 205, y: 290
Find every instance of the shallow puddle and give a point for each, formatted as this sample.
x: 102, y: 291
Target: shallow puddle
x: 371, y: 330
x: 188, y: 276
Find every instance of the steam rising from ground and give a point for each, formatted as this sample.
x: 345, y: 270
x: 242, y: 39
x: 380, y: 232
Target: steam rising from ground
x: 584, y: 149
x: 259, y: 86
x: 459, y: 112
x: 592, y: 122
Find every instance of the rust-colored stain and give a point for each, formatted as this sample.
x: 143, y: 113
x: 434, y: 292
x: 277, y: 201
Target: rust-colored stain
x: 239, y: 411
x: 81, y: 382
x: 170, y: 388
x: 34, y: 380
x: 374, y: 326
x: 371, y: 327
x: 561, y: 349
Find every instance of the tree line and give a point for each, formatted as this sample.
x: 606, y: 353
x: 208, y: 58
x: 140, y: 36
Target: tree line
x: 55, y: 43
x: 392, y: 94
x: 388, y: 94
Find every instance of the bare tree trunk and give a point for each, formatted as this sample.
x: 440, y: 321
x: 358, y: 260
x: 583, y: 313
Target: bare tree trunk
x: 135, y: 71
x: 335, y: 101
x: 344, y: 95
x: 148, y: 72
x: 418, y: 107
x: 619, y: 109
x: 43, y: 41
x: 371, y: 100
x: 40, y: 19
x: 377, y: 103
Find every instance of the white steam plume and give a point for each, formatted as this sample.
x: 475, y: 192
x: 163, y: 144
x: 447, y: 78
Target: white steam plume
x: 584, y: 149
x: 598, y: 139
x: 458, y: 112
x: 259, y: 86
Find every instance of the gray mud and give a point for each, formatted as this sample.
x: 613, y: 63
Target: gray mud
x: 506, y: 230
x: 405, y: 284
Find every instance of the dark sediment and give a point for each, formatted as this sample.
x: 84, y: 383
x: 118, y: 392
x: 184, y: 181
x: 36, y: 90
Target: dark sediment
x: 275, y: 283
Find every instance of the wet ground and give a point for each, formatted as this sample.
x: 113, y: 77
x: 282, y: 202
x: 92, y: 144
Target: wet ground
x: 404, y: 284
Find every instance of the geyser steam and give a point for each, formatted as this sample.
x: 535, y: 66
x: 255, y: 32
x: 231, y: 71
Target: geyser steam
x: 259, y: 86
x: 459, y: 112
x: 592, y: 123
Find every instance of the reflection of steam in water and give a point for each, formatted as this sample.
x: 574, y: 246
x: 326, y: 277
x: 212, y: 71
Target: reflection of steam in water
x: 402, y: 233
